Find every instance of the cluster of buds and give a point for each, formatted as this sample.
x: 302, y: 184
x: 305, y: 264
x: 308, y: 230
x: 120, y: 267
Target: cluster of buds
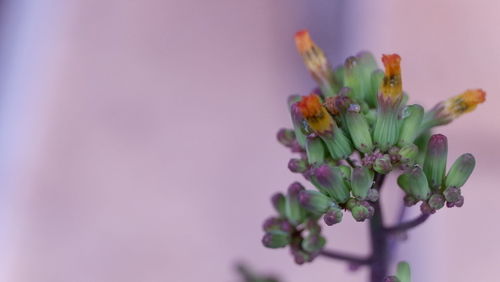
x: 431, y: 184
x: 296, y: 226
x: 354, y: 128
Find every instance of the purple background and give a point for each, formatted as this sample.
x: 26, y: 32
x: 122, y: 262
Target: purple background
x: 138, y: 137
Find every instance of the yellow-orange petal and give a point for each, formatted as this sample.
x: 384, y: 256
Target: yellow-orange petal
x: 317, y: 117
x: 465, y: 102
x: 303, y: 41
x: 392, y: 86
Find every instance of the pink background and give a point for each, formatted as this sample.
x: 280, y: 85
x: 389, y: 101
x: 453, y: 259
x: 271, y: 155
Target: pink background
x: 138, y: 137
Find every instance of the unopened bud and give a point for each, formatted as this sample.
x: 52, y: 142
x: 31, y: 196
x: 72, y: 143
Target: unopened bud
x: 328, y: 179
x: 361, y: 182
x: 412, y: 118
x: 414, y: 183
x: 276, y: 240
x: 403, y: 272
x: 298, y: 165
x: 359, y: 130
x: 286, y: 137
x: 333, y: 216
x: 408, y: 154
x: 294, y: 212
x: 435, y: 160
x: 460, y: 171
x: 278, y: 200
x: 315, y: 149
x: 313, y: 243
x: 383, y: 164
x: 436, y: 201
x: 314, y: 201
x: 452, y: 194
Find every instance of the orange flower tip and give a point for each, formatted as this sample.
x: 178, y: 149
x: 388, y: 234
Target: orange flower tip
x: 478, y: 95
x: 310, y: 106
x: 391, y: 63
x: 391, y: 59
x: 465, y: 102
x: 317, y: 117
x: 303, y: 41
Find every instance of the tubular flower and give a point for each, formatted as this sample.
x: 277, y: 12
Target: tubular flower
x: 445, y: 112
x: 392, y: 86
x: 317, y: 117
x: 322, y: 123
x: 316, y: 62
x: 464, y: 103
x: 386, y: 131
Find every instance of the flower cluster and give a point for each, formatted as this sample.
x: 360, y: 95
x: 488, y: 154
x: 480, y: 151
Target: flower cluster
x: 355, y: 128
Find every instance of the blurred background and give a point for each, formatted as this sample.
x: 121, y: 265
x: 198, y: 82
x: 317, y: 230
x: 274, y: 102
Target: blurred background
x: 137, y: 138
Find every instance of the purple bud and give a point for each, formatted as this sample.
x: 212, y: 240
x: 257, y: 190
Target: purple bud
x: 298, y: 165
x: 452, y: 194
x: 460, y: 202
x: 426, y: 209
x: 333, y: 216
x: 295, y: 188
x: 278, y: 201
x: 409, y: 200
x: 286, y: 137
x: 271, y: 223
x: 436, y: 201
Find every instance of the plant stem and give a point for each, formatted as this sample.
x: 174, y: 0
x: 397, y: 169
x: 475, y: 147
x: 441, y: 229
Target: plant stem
x: 345, y: 257
x: 380, y: 257
x: 407, y: 225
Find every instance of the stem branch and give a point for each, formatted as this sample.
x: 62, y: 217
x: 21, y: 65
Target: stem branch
x: 407, y: 225
x: 345, y: 257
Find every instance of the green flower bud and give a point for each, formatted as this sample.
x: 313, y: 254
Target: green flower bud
x: 403, y: 272
x: 361, y: 182
x: 408, y: 154
x: 386, y: 131
x: 361, y: 211
x: 359, y: 130
x: 298, y: 165
x: 346, y: 171
x: 328, y: 179
x: 333, y: 216
x: 383, y: 164
x: 276, y: 240
x: 460, y: 171
x: 414, y: 183
x: 337, y: 144
x: 371, y: 116
x: 315, y: 149
x: 412, y: 118
x: 314, y: 201
x: 435, y: 160
x: 436, y: 201
x: 313, y: 243
x: 293, y: 210
x: 278, y: 200
x: 297, y: 120
x: 353, y: 79
x: 375, y: 81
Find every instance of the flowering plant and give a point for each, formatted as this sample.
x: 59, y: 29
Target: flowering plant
x: 348, y: 134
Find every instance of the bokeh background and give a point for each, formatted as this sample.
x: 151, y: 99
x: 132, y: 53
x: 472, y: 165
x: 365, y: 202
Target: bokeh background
x: 137, y: 138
